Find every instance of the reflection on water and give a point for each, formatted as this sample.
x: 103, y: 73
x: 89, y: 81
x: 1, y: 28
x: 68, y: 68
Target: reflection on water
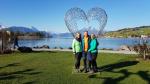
x: 109, y: 43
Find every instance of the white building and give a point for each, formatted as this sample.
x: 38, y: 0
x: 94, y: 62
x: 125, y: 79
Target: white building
x: 144, y: 36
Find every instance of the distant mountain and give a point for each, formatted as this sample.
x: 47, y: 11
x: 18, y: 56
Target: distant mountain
x: 27, y: 31
x: 61, y: 35
x: 46, y: 34
x: 22, y: 29
x: 67, y: 34
x: 90, y: 30
x: 1, y: 26
x: 34, y: 29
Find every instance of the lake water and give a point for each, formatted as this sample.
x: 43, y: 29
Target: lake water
x: 108, y: 43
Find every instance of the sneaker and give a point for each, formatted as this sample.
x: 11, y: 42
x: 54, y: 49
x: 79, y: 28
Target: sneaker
x: 77, y: 70
x: 91, y: 72
x: 81, y: 70
x: 95, y: 70
x: 85, y: 71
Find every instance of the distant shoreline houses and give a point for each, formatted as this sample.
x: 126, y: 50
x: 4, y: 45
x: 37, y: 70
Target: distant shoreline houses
x: 137, y: 32
x: 142, y: 36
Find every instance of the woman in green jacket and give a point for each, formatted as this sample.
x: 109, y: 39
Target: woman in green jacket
x: 77, y: 50
x: 94, y: 51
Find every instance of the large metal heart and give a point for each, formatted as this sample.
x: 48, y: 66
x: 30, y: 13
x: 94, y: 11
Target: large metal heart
x: 78, y: 21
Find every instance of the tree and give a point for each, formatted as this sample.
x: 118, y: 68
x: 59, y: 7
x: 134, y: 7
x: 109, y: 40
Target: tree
x: 142, y: 48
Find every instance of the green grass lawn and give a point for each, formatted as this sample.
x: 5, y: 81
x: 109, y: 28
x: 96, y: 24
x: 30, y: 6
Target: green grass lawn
x: 56, y: 68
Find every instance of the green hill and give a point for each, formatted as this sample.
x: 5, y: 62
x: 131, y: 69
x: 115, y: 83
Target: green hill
x: 129, y: 32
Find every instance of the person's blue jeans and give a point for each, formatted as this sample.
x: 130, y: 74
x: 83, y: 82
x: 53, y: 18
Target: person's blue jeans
x: 84, y: 54
x: 87, y: 60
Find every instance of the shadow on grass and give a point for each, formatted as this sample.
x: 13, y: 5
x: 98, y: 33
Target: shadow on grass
x: 32, y: 82
x: 17, y: 74
x: 110, y: 68
x: 43, y: 51
x: 109, y: 80
x: 144, y: 75
x: 10, y: 65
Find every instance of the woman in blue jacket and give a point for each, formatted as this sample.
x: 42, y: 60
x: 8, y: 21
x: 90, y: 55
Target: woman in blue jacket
x: 94, y: 51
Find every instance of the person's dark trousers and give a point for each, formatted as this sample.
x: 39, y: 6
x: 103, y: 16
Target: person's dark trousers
x: 85, y: 61
x: 94, y: 63
x: 89, y: 65
x: 78, y: 58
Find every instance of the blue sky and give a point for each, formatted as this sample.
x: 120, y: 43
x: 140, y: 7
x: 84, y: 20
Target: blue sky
x: 48, y: 15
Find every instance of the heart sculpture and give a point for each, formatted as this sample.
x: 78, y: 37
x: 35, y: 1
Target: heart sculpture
x: 78, y: 21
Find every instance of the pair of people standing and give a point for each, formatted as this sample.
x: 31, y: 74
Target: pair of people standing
x: 85, y: 48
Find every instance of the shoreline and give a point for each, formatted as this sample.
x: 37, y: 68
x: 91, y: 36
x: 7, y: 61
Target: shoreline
x: 99, y: 51
x: 30, y: 37
x: 39, y: 37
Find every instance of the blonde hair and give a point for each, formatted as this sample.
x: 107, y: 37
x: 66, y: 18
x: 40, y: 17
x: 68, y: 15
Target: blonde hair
x: 77, y: 34
x: 93, y: 36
